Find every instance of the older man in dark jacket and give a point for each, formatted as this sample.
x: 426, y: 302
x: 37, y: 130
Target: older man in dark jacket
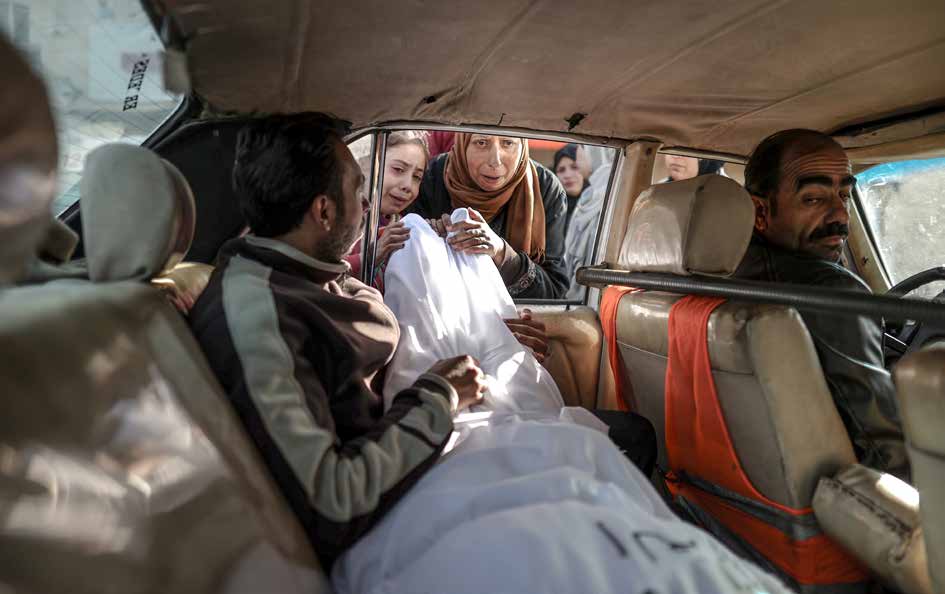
x: 801, y: 184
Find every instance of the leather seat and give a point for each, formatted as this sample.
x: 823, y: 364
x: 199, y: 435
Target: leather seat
x: 897, y: 529
x: 778, y: 409
x: 125, y: 229
x: 920, y: 381
x: 123, y: 467
x: 574, y: 344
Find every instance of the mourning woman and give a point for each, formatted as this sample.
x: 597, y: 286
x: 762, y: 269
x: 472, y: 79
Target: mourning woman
x: 406, y: 160
x: 520, y: 210
x: 571, y: 176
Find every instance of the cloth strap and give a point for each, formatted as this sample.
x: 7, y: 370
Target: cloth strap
x: 610, y: 299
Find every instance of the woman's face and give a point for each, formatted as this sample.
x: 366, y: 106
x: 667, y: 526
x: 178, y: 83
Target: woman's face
x: 404, y: 166
x: 570, y: 176
x: 492, y: 159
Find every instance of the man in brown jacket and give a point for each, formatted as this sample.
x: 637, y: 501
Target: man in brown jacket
x: 298, y: 344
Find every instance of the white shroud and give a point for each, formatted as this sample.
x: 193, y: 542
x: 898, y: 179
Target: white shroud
x: 530, y: 498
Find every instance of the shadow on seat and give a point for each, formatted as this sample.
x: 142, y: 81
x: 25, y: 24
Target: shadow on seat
x: 124, y: 467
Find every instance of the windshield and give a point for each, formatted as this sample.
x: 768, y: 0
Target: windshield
x: 101, y: 61
x: 903, y: 205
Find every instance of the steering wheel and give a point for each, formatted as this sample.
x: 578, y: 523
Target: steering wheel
x: 910, y: 335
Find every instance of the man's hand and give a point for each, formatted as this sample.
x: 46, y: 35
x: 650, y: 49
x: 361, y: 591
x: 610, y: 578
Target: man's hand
x: 464, y: 374
x: 531, y: 333
x: 182, y: 300
x: 393, y: 238
x: 476, y: 237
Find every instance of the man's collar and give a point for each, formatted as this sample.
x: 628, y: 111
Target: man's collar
x: 758, y: 240
x: 335, y: 268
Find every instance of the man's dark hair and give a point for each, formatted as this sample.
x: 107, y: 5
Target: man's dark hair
x: 763, y: 171
x: 282, y: 163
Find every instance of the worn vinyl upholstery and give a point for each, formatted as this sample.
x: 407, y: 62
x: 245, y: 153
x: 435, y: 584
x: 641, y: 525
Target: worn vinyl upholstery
x: 920, y: 382
x: 574, y: 342
x: 698, y: 225
x: 164, y: 209
x: 876, y: 516
x: 114, y: 438
x: 123, y: 187
x: 149, y: 188
x: 187, y: 278
x: 783, y: 424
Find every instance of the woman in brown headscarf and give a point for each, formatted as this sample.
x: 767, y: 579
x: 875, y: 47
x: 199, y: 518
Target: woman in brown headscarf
x: 518, y: 205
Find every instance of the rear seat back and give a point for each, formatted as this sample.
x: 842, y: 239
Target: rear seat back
x: 163, y: 206
x: 772, y: 391
x: 777, y: 412
x: 124, y: 468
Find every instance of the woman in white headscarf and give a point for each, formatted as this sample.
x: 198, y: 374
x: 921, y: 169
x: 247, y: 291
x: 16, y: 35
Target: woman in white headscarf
x: 579, y: 242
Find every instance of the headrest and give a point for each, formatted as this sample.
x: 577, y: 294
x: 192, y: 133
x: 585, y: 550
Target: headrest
x: 138, y: 214
x: 700, y: 225
x: 28, y: 156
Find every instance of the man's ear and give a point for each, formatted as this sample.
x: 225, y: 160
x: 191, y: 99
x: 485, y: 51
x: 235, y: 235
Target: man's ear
x: 761, y: 213
x: 322, y: 212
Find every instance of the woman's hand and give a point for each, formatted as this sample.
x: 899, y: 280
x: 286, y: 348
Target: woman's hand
x: 393, y: 238
x: 531, y: 334
x: 476, y: 237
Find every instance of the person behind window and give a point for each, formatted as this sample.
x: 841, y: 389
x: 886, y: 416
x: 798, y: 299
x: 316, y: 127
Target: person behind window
x: 579, y: 243
x: 404, y: 164
x: 440, y: 141
x: 571, y: 176
x: 519, y: 210
x: 680, y: 168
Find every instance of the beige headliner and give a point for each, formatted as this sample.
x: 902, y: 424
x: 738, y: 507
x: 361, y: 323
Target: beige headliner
x: 714, y: 74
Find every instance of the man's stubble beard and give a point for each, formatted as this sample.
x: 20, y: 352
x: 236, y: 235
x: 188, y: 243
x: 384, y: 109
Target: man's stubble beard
x: 340, y: 241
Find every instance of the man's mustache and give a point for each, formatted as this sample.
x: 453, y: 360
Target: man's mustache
x: 829, y: 230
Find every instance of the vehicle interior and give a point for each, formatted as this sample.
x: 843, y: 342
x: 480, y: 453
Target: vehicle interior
x: 125, y: 469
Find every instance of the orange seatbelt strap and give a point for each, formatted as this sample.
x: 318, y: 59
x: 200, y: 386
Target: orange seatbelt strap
x: 610, y: 299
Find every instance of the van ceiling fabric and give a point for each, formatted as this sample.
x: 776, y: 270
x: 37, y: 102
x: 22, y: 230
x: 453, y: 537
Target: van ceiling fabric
x: 700, y: 73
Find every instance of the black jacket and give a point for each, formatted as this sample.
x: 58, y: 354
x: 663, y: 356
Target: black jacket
x: 522, y: 277
x: 850, y: 349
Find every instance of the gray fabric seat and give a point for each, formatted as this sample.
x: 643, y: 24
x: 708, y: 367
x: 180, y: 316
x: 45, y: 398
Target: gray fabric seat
x: 780, y: 415
x: 124, y: 469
